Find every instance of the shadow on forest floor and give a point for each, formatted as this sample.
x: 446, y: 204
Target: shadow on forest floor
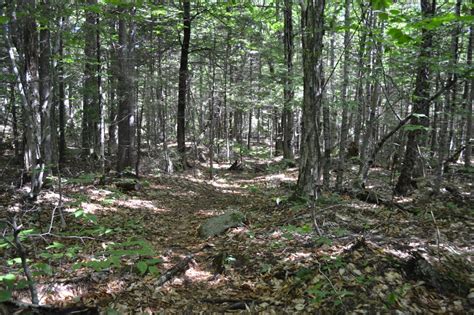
x: 364, y: 256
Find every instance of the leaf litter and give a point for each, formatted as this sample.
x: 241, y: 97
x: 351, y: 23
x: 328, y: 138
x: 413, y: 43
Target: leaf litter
x: 365, y: 257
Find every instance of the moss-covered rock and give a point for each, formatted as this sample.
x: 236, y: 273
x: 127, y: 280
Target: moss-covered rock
x: 218, y: 225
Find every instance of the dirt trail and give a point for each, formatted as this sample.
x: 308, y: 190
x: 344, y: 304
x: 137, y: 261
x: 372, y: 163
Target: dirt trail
x: 170, y: 211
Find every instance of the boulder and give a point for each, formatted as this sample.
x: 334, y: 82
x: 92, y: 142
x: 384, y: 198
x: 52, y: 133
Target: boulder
x: 219, y: 224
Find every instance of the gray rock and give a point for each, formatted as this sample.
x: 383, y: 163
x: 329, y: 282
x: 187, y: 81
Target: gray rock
x: 218, y: 225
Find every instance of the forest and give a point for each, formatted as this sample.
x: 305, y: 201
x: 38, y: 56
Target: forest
x: 273, y: 156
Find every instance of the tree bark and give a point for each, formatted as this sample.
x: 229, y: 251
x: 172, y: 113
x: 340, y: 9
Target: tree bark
x: 126, y: 99
x: 183, y: 77
x: 345, y: 109
x: 91, y: 87
x: 420, y: 98
x: 287, y: 117
x: 45, y: 91
x: 312, y: 25
x: 469, y: 96
x: 448, y: 113
x: 33, y: 158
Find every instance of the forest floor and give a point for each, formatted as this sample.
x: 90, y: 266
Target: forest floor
x: 362, y: 258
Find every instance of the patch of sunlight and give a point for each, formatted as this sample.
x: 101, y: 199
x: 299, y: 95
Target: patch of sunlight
x: 139, y: 204
x: 99, y: 192
x: 404, y: 199
x: 276, y: 234
x: 397, y: 253
x: 115, y: 286
x: 297, y: 256
x: 89, y: 207
x: 194, y: 274
x: 57, y: 292
x: 51, y: 197
x: 159, y: 187
x: 240, y: 230
x: 208, y: 213
x: 359, y: 206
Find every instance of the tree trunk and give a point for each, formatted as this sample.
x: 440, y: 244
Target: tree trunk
x: 45, y: 91
x: 33, y: 158
x: 183, y: 77
x: 312, y: 25
x: 420, y: 97
x: 448, y: 113
x: 126, y: 99
x: 469, y: 95
x: 91, y: 88
x: 287, y: 116
x: 345, y: 109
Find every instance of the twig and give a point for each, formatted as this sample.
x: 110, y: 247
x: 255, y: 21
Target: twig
x: 175, y: 270
x: 82, y: 238
x: 315, y: 223
x: 332, y: 285
x: 26, y: 269
x: 60, y: 201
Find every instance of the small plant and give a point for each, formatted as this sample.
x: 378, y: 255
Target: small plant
x: 112, y: 257
x: 322, y: 291
x: 394, y: 296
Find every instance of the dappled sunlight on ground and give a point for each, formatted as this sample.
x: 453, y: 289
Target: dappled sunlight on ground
x: 140, y: 204
x: 264, y: 260
x: 195, y: 274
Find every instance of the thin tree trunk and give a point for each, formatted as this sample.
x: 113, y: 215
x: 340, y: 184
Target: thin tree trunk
x: 45, y: 91
x: 435, y: 121
x: 287, y: 116
x: 469, y: 95
x: 91, y: 105
x: 345, y: 109
x: 183, y: 78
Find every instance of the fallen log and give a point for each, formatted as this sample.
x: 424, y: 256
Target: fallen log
x: 373, y: 198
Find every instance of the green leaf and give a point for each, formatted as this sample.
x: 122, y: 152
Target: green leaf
x: 383, y: 16
x: 142, y: 267
x: 381, y: 4
x: 14, y: 261
x: 56, y: 245
x: 3, y: 19
x: 44, y: 268
x: 398, y: 35
x: 8, y: 278
x: 5, y: 295
x: 79, y: 213
x: 154, y: 270
x: 153, y: 261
